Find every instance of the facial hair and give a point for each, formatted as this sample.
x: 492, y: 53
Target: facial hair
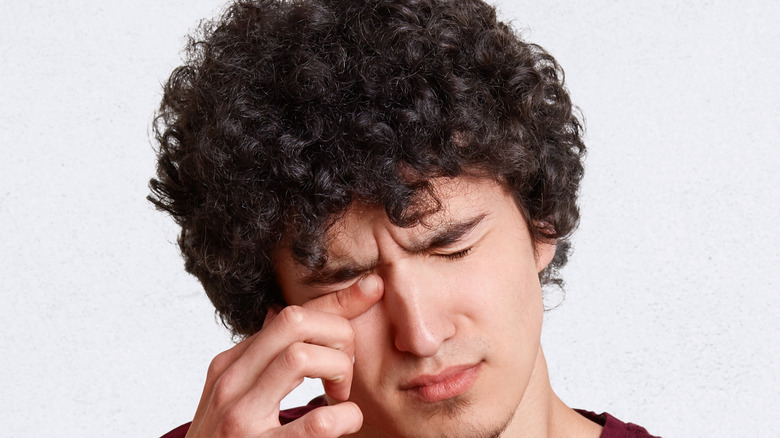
x: 472, y: 432
x: 457, y: 406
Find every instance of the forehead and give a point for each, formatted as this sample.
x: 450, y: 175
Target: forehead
x: 460, y: 200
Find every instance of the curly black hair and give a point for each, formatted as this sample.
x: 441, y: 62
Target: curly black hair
x: 286, y: 112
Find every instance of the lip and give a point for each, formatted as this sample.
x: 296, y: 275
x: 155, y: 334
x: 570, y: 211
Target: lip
x: 449, y: 383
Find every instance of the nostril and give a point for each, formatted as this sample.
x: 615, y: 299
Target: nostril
x: 419, y: 335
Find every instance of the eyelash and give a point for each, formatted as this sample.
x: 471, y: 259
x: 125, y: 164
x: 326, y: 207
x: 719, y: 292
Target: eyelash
x: 457, y: 255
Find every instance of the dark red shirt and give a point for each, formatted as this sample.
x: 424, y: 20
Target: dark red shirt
x: 613, y: 428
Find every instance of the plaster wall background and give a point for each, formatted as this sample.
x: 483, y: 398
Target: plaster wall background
x: 671, y: 313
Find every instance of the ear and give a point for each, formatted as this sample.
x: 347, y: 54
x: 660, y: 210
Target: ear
x: 545, y: 251
x: 544, y: 248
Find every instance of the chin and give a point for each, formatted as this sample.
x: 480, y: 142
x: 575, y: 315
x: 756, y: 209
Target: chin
x: 457, y: 417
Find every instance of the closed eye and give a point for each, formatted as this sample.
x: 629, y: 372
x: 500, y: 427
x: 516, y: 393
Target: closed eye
x: 457, y: 255
x: 330, y: 288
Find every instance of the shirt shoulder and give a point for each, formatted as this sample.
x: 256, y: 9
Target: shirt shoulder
x: 614, y: 428
x: 285, y: 417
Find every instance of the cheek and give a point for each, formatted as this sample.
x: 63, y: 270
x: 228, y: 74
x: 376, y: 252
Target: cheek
x: 490, y: 280
x: 499, y: 291
x: 373, y: 357
x: 370, y: 338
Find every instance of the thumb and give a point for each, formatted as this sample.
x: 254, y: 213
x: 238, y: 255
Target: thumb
x: 352, y: 301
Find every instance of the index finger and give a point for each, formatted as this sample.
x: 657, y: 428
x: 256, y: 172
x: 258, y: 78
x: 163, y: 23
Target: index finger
x: 352, y: 301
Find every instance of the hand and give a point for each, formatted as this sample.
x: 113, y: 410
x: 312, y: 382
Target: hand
x: 245, y: 384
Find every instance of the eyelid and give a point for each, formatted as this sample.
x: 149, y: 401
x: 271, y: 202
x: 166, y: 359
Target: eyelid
x: 333, y: 287
x: 319, y: 289
x: 457, y: 254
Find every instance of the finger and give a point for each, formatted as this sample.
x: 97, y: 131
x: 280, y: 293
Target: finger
x: 352, y: 301
x: 288, y: 370
x: 269, y: 316
x: 293, y: 324
x: 324, y: 422
x: 301, y: 360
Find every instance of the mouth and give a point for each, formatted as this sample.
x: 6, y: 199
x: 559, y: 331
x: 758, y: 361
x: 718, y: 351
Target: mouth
x: 451, y: 382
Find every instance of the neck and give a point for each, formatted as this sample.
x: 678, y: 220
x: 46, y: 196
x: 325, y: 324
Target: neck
x: 542, y: 414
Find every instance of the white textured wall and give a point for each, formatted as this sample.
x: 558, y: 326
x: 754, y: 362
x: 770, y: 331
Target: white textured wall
x: 671, y: 317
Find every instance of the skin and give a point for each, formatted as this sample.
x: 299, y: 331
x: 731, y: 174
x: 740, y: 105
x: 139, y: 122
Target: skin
x: 458, y: 295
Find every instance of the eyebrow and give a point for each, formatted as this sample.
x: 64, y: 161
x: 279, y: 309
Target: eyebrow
x: 447, y: 235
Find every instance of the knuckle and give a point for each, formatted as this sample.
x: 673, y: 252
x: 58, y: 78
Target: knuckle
x: 232, y: 423
x: 223, y: 389
x: 319, y: 422
x: 218, y: 366
x: 293, y: 316
x: 346, y: 335
x: 346, y: 363
x: 296, y: 356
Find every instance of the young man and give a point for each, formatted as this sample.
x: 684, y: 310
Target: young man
x: 373, y: 193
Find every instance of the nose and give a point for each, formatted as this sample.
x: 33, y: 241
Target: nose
x: 417, y: 308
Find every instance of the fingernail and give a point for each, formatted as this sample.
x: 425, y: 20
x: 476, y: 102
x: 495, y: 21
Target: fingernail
x: 367, y: 284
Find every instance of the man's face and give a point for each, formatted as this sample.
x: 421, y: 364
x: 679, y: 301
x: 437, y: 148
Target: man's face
x: 450, y: 348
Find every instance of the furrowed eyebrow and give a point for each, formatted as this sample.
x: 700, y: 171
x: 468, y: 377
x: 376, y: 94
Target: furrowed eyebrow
x: 446, y: 236
x: 335, y: 275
